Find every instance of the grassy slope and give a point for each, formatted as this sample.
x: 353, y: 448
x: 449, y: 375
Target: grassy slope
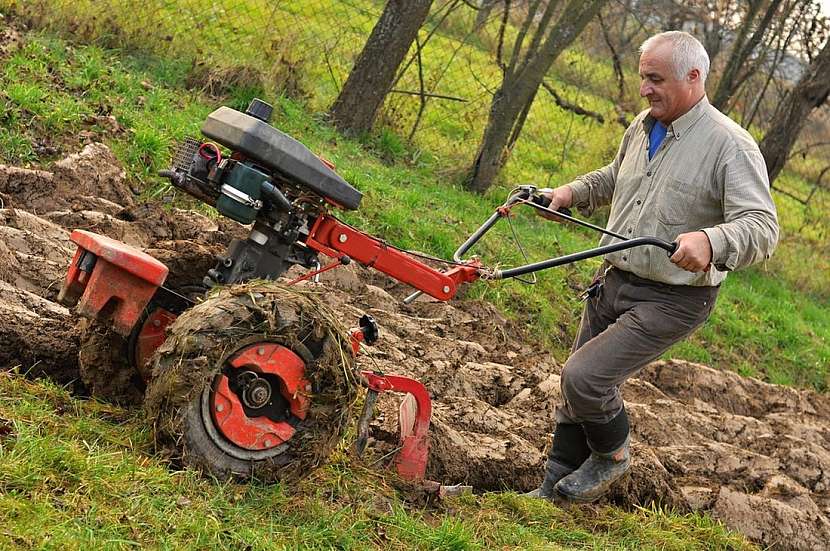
x: 772, y: 320
x: 77, y: 474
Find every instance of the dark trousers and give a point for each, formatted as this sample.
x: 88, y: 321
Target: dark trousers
x: 631, y: 322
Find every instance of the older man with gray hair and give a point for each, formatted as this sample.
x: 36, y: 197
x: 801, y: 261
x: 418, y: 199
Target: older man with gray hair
x: 686, y: 173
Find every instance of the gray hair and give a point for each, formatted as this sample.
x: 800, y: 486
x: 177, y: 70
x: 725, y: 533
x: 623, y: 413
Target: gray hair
x: 687, y: 52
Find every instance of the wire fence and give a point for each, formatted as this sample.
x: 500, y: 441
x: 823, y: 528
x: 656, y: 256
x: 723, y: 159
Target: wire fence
x: 305, y: 49
x: 440, y: 101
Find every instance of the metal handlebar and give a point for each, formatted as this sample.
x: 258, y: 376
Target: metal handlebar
x: 590, y: 253
x: 527, y: 195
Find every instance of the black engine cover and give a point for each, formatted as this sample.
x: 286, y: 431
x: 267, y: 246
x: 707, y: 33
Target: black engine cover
x: 279, y: 152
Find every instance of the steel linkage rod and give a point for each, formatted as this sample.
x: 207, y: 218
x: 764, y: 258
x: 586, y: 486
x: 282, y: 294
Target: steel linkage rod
x: 575, y: 257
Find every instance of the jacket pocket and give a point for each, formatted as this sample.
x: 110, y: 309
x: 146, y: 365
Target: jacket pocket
x: 677, y: 202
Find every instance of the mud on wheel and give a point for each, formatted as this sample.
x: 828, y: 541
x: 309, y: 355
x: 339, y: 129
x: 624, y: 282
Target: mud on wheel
x: 105, y: 367
x: 256, y: 381
x: 115, y: 368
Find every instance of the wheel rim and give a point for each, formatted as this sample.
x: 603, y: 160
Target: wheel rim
x: 256, y: 405
x: 146, y: 338
x: 151, y: 331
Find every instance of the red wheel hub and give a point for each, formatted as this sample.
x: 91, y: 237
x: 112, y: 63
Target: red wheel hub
x: 150, y: 337
x: 260, y: 432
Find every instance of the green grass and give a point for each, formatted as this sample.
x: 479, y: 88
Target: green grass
x: 294, y: 45
x: 761, y: 328
x: 78, y: 474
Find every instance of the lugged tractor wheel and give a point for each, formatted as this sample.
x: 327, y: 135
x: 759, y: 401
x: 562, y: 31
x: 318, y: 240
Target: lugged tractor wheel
x: 256, y: 381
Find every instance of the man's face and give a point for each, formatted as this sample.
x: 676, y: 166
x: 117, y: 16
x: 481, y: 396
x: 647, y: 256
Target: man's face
x: 668, y: 97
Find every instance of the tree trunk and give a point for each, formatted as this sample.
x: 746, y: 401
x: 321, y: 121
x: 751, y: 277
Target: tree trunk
x: 521, y: 81
x: 485, y: 8
x: 713, y: 39
x: 729, y: 81
x: 371, y: 78
x: 797, y: 11
x: 810, y: 92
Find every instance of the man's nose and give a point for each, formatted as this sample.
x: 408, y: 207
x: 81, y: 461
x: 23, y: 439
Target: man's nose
x: 645, y: 89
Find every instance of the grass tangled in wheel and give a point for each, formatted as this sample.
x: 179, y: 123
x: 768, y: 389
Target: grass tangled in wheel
x: 256, y: 381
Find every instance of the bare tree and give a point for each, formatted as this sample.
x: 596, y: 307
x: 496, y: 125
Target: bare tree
x: 615, y: 49
x: 375, y: 70
x: 811, y: 91
x: 712, y: 20
x: 522, y: 76
x: 743, y: 48
x: 779, y: 46
x: 484, y: 9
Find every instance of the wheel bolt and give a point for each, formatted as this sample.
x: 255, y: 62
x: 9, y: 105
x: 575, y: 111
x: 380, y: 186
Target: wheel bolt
x: 260, y: 395
x: 219, y: 407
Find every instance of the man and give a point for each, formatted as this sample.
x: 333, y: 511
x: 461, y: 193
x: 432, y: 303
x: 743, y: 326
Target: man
x: 686, y: 173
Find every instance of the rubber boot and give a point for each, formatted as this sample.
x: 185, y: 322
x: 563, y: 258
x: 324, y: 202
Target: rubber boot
x: 567, y: 452
x: 610, y: 459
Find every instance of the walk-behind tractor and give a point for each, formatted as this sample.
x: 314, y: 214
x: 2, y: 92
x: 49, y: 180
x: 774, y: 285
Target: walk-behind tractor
x: 253, y: 378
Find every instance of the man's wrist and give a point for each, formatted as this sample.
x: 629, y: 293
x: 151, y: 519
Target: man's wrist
x: 717, y: 243
x: 566, y: 196
x: 579, y: 193
x: 708, y: 242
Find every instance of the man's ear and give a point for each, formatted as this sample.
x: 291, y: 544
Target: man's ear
x: 693, y: 76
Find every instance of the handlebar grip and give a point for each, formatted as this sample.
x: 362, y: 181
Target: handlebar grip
x: 544, y: 201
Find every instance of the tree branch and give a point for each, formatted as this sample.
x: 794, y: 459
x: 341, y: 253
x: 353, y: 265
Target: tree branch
x: 615, y: 58
x: 428, y: 95
x: 544, y: 23
x: 567, y: 106
x: 502, y: 28
x: 520, y: 38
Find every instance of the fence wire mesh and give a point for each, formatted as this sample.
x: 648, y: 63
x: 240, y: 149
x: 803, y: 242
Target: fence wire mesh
x: 305, y: 49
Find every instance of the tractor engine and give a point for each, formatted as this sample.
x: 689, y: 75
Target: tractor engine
x: 269, y: 180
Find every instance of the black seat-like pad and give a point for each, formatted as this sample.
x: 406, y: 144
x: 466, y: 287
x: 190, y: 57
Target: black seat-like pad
x: 277, y: 151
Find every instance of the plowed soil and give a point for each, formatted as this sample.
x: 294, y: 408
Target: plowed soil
x: 754, y: 455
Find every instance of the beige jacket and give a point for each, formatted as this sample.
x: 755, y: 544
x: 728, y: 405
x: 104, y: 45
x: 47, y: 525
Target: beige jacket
x: 708, y: 174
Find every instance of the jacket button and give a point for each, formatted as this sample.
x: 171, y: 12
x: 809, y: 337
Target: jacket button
x: 639, y: 202
x: 648, y: 173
